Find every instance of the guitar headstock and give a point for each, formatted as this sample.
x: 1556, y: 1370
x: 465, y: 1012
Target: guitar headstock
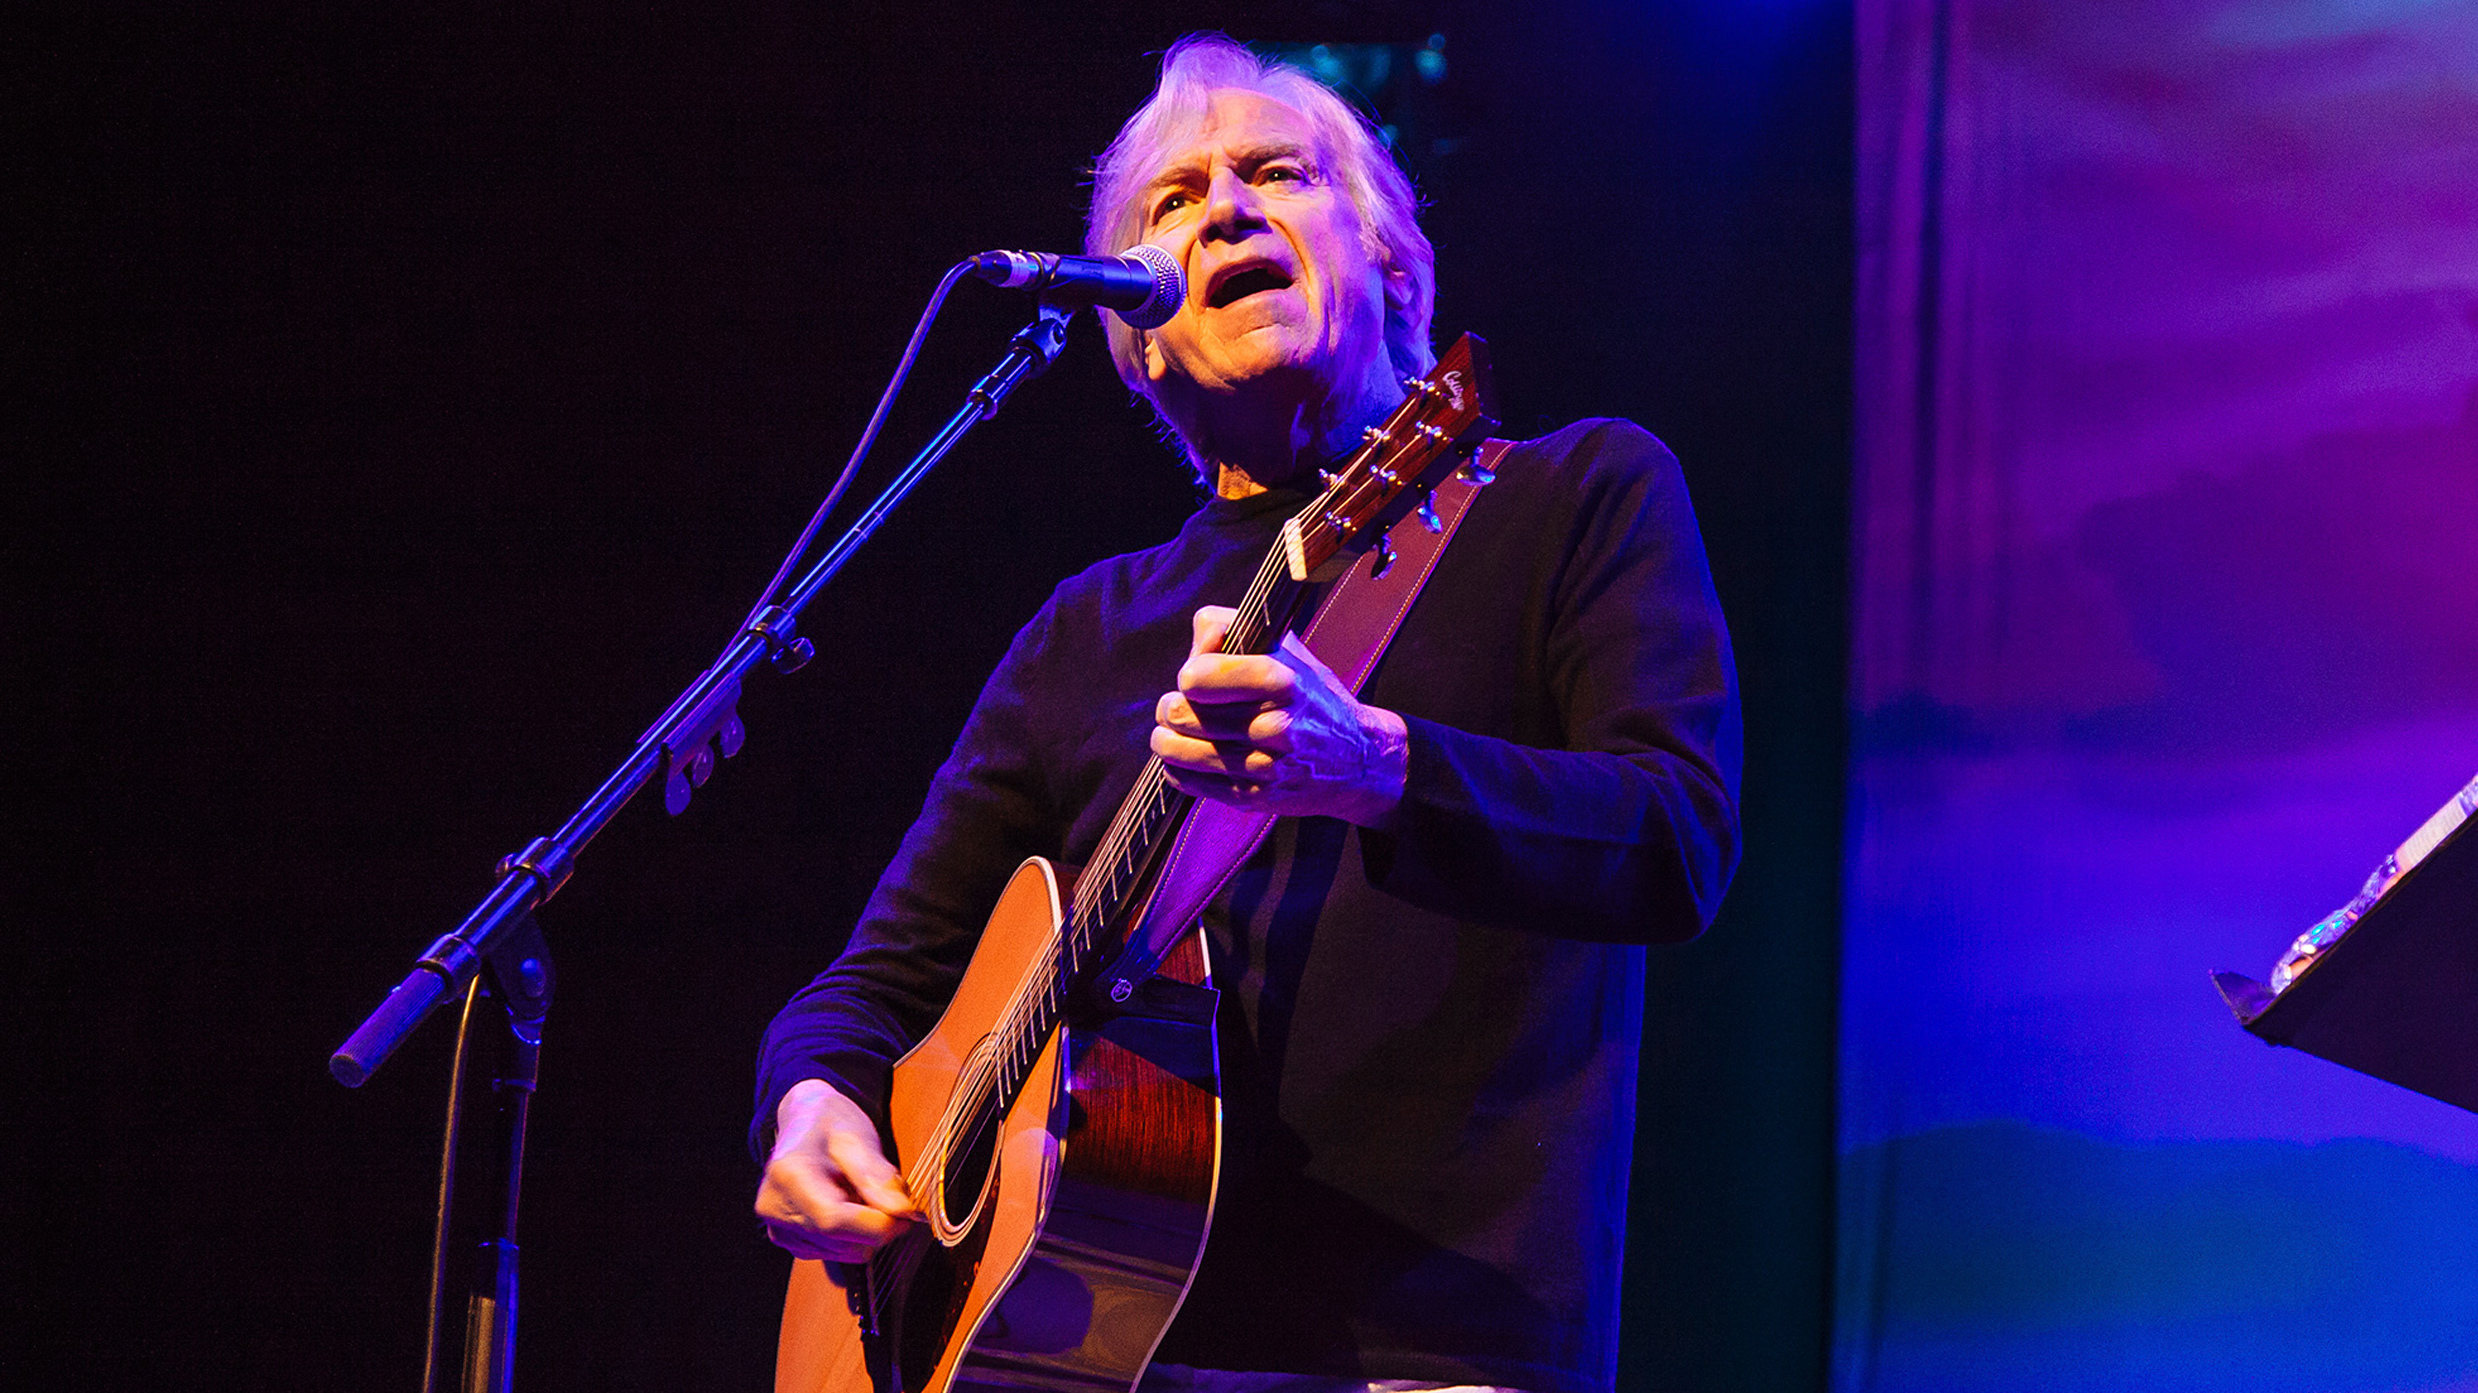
x: 1426, y: 438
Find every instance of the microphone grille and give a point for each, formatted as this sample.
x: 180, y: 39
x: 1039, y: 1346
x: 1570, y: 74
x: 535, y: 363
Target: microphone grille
x: 1169, y: 288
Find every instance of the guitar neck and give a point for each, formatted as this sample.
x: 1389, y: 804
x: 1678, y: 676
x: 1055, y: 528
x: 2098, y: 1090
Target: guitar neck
x: 1115, y: 877
x: 1391, y: 471
x: 1114, y: 881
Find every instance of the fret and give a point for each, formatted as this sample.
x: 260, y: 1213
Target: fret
x: 1392, y: 469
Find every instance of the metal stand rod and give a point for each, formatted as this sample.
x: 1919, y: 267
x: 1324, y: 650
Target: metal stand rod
x: 443, y: 1242
x: 499, y: 950
x: 473, y: 1248
x: 682, y: 743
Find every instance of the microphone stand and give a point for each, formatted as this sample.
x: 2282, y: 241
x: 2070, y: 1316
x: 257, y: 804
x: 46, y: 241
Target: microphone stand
x: 499, y: 951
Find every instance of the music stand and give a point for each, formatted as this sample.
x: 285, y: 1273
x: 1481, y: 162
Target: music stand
x: 2394, y: 997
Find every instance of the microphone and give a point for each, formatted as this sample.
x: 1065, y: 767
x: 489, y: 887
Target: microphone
x: 1141, y: 285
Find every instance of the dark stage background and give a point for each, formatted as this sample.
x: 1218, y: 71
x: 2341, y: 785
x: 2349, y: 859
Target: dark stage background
x: 408, y: 402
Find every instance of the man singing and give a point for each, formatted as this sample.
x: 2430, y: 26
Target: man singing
x: 1431, y: 973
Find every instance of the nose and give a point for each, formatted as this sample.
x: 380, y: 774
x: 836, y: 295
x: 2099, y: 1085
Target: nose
x: 1231, y: 211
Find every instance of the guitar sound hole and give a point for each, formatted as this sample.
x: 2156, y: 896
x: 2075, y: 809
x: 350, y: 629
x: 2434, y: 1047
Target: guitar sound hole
x: 968, y: 1171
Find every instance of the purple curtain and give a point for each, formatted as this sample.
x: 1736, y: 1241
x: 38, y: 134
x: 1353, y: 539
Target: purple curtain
x: 2167, y: 630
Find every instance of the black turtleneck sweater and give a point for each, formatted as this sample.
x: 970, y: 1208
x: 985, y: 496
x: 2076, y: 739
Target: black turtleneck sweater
x: 1429, y: 1034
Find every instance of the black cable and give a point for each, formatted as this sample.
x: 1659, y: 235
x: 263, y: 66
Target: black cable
x: 868, y: 437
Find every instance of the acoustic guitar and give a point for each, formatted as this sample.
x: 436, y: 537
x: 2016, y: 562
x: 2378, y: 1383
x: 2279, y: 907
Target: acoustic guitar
x: 1060, y: 1125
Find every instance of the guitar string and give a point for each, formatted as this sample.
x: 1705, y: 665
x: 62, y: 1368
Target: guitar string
x: 1399, y: 440
x: 1015, y: 1024
x: 1145, y: 805
x: 1029, y: 1011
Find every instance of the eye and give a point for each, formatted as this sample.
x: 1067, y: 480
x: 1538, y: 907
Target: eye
x: 1171, y: 203
x: 1282, y: 174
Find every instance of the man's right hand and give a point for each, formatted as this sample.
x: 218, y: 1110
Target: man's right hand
x: 829, y: 1190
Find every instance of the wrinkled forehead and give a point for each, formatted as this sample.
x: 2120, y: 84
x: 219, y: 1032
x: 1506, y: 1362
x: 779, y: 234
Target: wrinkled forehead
x: 1233, y: 122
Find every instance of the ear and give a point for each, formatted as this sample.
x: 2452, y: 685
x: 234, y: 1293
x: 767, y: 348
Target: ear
x: 1399, y: 288
x: 1155, y: 365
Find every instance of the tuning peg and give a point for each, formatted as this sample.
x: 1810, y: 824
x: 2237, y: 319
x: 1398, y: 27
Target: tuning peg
x: 1328, y: 477
x: 1428, y: 515
x: 1475, y: 473
x: 1383, y: 560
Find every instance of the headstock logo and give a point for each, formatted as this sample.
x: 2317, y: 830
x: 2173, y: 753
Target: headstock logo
x: 1453, y: 384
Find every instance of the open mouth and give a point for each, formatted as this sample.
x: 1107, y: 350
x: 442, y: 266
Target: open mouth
x: 1242, y: 284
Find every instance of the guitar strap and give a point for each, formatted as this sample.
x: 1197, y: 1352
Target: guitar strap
x: 1357, y: 620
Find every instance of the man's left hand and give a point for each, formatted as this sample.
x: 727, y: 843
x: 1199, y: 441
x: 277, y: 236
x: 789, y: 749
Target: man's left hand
x: 1277, y: 733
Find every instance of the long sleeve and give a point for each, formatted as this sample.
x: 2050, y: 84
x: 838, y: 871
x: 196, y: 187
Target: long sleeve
x: 1051, y: 746
x: 989, y: 807
x: 1611, y: 813
x: 1427, y: 1036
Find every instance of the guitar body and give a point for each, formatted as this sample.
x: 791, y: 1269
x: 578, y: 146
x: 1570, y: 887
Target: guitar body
x: 1059, y: 1247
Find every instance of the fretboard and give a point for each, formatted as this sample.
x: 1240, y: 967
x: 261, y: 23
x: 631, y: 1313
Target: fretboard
x: 1115, y: 880
x: 1390, y: 472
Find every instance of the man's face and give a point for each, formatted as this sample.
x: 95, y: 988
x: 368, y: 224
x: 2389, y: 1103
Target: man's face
x: 1279, y: 281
